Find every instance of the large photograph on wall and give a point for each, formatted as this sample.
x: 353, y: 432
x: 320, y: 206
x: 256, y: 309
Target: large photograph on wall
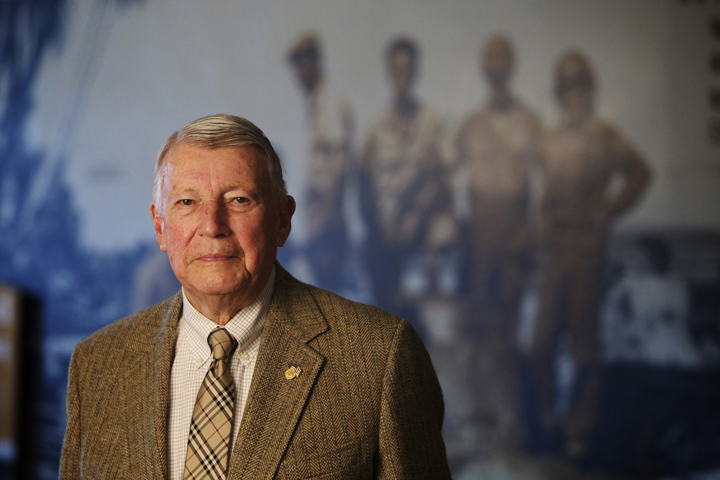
x: 534, y: 186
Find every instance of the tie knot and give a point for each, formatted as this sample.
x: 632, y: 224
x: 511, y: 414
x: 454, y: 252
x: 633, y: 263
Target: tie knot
x: 221, y: 343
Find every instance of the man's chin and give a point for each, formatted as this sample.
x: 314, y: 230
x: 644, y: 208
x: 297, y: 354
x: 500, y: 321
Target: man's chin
x: 218, y: 283
x: 219, y: 288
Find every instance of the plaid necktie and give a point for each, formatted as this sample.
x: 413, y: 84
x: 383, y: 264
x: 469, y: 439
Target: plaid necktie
x: 211, y: 426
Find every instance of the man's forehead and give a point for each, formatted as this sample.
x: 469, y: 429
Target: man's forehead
x: 200, y: 158
x: 201, y: 155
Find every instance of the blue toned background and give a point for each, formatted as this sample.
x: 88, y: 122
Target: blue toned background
x: 90, y: 89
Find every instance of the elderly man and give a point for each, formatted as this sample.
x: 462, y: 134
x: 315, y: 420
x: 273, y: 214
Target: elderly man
x: 246, y: 372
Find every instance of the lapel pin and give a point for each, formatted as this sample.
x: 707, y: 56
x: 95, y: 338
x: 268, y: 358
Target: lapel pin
x: 293, y: 371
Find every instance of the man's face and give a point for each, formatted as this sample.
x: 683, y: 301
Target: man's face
x: 402, y: 72
x: 575, y: 90
x: 577, y: 104
x: 497, y: 63
x: 221, y: 224
x: 307, y: 69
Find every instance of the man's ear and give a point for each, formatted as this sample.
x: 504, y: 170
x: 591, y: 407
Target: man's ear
x: 287, y: 209
x: 158, y: 224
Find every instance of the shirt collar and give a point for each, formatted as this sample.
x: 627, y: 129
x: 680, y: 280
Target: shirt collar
x: 245, y: 326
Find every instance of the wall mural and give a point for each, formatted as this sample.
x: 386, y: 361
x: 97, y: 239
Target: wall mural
x: 566, y: 347
x: 40, y: 254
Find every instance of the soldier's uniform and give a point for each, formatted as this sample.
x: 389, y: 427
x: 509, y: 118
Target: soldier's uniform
x: 581, y: 164
x: 407, y: 195
x: 328, y: 126
x: 497, y: 148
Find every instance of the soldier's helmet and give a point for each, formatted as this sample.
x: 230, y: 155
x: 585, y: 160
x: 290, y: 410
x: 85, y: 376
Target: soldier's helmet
x: 306, y: 45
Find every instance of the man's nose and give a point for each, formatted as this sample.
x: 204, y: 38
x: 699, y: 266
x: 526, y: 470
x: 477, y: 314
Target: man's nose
x: 214, y: 221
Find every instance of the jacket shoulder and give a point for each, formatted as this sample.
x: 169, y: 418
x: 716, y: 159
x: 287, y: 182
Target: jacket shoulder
x: 337, y: 309
x: 126, y: 331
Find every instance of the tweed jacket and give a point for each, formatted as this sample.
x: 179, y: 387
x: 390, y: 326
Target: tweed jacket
x: 367, y: 403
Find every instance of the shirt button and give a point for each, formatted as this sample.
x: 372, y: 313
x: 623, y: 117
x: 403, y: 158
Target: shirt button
x: 245, y: 357
x: 198, y: 361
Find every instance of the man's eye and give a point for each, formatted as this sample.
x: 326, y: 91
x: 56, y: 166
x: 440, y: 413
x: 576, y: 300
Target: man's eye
x: 186, y: 201
x: 241, y: 200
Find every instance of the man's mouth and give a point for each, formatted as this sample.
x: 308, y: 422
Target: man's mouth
x: 215, y: 257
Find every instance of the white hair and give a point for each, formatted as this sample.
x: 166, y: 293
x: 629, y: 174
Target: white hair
x: 217, y: 131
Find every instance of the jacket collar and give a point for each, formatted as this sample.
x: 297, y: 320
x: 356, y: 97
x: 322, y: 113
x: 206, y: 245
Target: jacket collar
x: 275, y: 402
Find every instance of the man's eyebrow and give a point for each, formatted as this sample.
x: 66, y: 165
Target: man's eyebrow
x: 183, y: 191
x: 226, y: 191
x: 246, y: 191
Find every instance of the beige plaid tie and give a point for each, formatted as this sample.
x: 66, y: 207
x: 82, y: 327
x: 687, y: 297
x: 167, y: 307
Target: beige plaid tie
x: 211, y: 426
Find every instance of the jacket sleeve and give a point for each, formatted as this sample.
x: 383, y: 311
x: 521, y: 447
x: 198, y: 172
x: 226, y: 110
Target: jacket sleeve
x: 70, y: 458
x: 411, y: 413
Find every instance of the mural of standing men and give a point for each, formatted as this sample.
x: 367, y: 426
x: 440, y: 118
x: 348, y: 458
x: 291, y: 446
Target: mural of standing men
x: 329, y: 123
x: 591, y: 176
x: 498, y: 145
x: 406, y: 195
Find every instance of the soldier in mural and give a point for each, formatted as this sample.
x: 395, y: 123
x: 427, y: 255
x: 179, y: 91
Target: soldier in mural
x: 498, y: 145
x: 592, y: 174
x: 328, y: 125
x: 405, y: 188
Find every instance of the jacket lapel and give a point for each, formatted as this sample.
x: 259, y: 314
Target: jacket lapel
x: 149, y: 387
x: 275, y: 402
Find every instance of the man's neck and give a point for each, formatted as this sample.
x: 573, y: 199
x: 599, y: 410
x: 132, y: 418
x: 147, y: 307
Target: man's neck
x: 501, y: 100
x: 575, y: 121
x: 406, y: 106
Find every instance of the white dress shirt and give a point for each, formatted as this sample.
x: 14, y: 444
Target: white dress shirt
x: 192, y: 361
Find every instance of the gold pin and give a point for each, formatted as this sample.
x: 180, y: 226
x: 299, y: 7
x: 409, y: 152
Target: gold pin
x: 293, y: 371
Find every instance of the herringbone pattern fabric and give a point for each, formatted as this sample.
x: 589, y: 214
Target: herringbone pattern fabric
x: 367, y: 404
x: 211, y: 426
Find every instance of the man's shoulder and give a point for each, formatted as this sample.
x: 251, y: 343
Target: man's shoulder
x: 380, y: 123
x: 429, y: 114
x: 130, y: 329
x: 479, y: 113
x: 345, y: 331
x: 337, y: 310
